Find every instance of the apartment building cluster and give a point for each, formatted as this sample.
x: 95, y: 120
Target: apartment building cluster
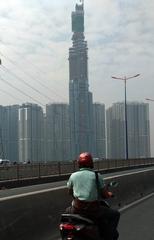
x: 29, y: 134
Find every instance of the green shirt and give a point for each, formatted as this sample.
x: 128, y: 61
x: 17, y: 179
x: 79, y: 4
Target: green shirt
x: 83, y: 183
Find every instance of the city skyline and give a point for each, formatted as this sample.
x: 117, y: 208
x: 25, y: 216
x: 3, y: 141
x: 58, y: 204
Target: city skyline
x: 36, y: 37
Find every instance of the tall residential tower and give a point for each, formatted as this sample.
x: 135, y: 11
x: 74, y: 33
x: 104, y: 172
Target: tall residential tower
x: 31, y: 133
x: 80, y: 99
x: 99, y: 130
x: 138, y: 130
x: 57, y: 132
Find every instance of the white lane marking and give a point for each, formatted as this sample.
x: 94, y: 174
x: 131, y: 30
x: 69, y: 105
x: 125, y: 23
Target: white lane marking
x: 136, y: 202
x: 31, y: 193
x: 126, y: 174
x: 63, y: 187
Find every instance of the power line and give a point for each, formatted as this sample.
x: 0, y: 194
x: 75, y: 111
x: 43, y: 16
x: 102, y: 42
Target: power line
x: 6, y: 69
x: 42, y: 72
x: 18, y: 78
x: 27, y: 94
x: 22, y: 92
x: 9, y: 94
x: 27, y: 84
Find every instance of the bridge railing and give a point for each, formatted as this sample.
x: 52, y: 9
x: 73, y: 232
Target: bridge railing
x: 38, y: 170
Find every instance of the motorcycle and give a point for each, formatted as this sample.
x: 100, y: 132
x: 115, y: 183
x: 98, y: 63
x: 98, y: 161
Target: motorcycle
x: 77, y: 227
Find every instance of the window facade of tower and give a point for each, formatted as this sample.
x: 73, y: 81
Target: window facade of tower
x: 80, y: 99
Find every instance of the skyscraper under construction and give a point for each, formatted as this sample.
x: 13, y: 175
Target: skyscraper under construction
x: 80, y: 99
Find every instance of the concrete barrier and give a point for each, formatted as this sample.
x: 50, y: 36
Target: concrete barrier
x: 29, y: 216
x: 16, y: 183
x: 132, y: 187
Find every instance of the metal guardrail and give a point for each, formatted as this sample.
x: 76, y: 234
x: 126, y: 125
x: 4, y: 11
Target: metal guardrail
x: 38, y: 170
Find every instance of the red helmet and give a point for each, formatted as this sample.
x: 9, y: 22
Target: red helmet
x: 85, y: 160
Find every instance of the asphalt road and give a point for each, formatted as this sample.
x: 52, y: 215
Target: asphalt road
x: 137, y: 223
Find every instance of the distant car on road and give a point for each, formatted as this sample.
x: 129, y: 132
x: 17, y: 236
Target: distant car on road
x: 4, y: 162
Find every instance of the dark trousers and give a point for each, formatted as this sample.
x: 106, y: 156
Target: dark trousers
x: 107, y: 221
x: 106, y: 218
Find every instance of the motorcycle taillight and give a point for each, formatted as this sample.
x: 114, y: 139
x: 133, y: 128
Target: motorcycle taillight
x: 67, y: 226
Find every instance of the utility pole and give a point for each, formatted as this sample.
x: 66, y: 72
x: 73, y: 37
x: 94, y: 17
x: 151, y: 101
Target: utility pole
x: 126, y: 125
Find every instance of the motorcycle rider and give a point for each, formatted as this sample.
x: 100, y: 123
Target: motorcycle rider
x: 83, y: 188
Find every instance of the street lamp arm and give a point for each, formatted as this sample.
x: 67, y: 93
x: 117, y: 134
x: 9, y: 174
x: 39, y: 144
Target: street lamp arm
x: 133, y: 76
x: 118, y: 78
x: 125, y: 78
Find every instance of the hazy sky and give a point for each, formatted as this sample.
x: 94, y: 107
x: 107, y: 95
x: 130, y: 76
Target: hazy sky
x: 35, y: 36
